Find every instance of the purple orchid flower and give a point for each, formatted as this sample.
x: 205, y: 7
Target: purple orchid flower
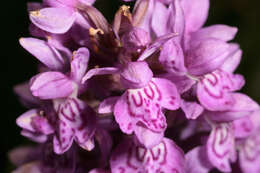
x: 59, y: 16
x: 164, y: 157
x: 139, y: 109
x: 220, y: 150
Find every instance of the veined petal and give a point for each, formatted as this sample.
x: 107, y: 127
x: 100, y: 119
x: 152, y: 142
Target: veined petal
x: 50, y: 85
x: 214, y: 90
x: 220, y: 147
x: 44, y: 52
x: 221, y: 32
x: 64, y: 139
x: 79, y: 64
x: 164, y: 157
x: 195, y: 13
x: 53, y: 20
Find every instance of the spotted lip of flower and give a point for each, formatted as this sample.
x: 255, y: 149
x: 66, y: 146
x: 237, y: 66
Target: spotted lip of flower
x: 139, y: 109
x: 164, y: 157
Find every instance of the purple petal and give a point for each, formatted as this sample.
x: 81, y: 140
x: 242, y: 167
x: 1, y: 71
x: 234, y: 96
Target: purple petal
x: 233, y: 60
x: 160, y: 19
x: 221, y: 32
x: 107, y: 105
x: 191, y: 109
x: 40, y: 138
x: 219, y: 147
x: 170, y: 98
x: 22, y: 154
x: 99, y: 71
x: 50, y: 85
x: 172, y: 58
x: 197, y: 161
x: 136, y: 75
x: 53, y: 20
x: 63, y: 141
x: 176, y: 20
x: 214, y: 89
x: 182, y: 82
x: 79, y: 64
x: 195, y: 13
x: 243, y: 127
x: 155, y: 46
x: 249, y: 156
x: 44, y: 52
x: 148, y: 138
x: 206, y: 56
x: 165, y: 157
x: 25, y: 120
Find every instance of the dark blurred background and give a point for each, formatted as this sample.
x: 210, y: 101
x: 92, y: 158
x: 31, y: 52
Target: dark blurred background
x: 18, y: 65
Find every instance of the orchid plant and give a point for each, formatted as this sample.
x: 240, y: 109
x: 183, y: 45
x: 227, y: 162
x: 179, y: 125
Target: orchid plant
x: 152, y: 92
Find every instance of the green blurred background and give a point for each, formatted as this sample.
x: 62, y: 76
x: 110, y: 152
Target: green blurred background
x: 17, y: 65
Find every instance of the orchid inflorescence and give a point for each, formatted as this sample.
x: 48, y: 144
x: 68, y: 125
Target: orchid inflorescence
x: 153, y: 92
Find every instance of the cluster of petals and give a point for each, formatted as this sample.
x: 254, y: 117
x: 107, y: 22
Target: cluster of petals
x: 141, y: 88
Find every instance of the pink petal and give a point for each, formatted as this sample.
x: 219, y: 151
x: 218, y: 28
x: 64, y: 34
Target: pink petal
x: 243, y: 127
x: 197, y: 161
x: 191, y: 109
x: 219, y: 147
x: 136, y: 75
x: 160, y: 19
x: 79, y: 64
x: 40, y: 138
x: 214, y: 89
x: 50, y: 85
x: 44, y: 52
x: 107, y: 105
x: 195, y: 13
x: 233, y: 60
x: 155, y: 46
x: 148, y: 138
x: 206, y: 56
x: 249, y: 155
x: 172, y: 57
x: 63, y: 141
x: 99, y: 71
x: 221, y: 32
x: 165, y: 157
x: 170, y: 98
x: 53, y: 20
x: 176, y: 19
x: 25, y: 120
